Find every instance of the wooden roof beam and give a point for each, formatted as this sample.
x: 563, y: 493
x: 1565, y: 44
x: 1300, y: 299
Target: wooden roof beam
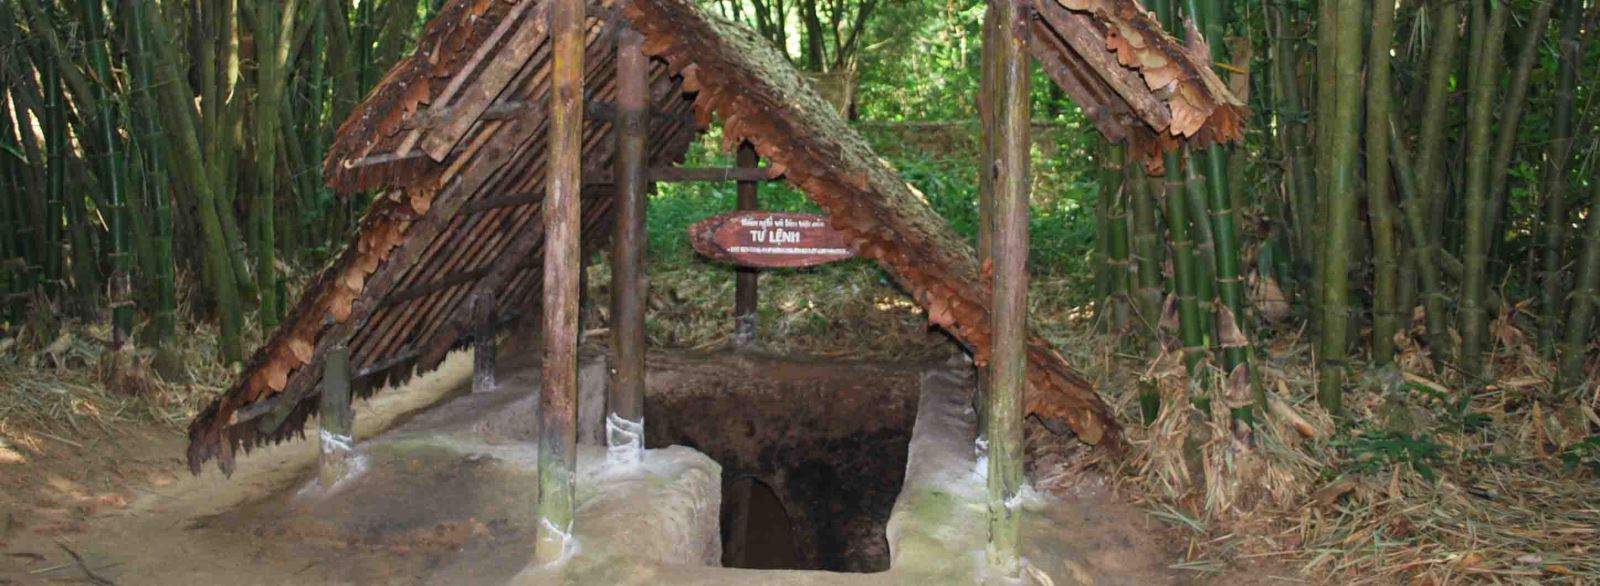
x: 657, y: 175
x: 600, y: 110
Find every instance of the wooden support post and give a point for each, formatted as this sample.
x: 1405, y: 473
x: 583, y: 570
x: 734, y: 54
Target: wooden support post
x: 986, y: 165
x: 744, y: 294
x: 338, y: 420
x: 629, y: 285
x: 1008, y: 363
x: 558, y: 404
x: 483, y: 342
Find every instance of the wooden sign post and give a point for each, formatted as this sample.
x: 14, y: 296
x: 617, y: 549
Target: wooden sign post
x: 769, y: 240
x: 745, y: 295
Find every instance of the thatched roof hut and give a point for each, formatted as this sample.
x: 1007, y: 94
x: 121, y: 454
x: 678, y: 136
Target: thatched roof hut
x: 453, y: 139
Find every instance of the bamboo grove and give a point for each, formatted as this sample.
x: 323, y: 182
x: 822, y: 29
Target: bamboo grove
x: 143, y: 141
x: 1415, y: 174
x: 1416, y: 178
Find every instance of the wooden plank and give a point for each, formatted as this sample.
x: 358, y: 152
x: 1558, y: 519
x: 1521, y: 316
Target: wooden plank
x: 558, y: 396
x: 598, y: 110
x: 476, y: 97
x: 1079, y: 32
x: 435, y: 286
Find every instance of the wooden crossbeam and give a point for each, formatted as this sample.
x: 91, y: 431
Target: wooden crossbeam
x: 605, y: 177
x: 598, y: 110
x: 434, y: 286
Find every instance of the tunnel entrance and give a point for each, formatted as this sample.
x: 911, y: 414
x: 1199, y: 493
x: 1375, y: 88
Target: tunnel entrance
x: 813, y: 453
x: 756, y: 530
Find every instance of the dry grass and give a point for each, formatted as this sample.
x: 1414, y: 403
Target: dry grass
x: 67, y: 384
x: 1425, y: 483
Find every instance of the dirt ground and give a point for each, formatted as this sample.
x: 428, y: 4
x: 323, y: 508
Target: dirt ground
x: 117, y: 506
x: 121, y: 507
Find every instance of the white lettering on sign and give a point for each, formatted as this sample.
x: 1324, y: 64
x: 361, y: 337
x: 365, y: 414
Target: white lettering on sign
x: 769, y: 239
x: 779, y: 250
x: 771, y: 230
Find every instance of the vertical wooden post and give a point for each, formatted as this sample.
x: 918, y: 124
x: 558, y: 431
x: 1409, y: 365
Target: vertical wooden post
x: 629, y: 286
x: 986, y: 166
x: 337, y: 420
x: 1007, y: 376
x: 483, y: 342
x: 744, y: 293
x: 558, y: 404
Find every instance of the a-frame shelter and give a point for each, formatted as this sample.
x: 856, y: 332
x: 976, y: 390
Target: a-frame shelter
x: 453, y: 140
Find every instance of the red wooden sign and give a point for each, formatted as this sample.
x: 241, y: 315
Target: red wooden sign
x: 769, y: 240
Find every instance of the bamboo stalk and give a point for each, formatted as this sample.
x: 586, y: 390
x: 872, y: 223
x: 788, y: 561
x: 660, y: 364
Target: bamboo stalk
x: 1475, y: 246
x: 1225, y: 238
x: 1511, y: 114
x: 558, y: 431
x: 150, y: 138
x: 1342, y: 153
x: 55, y: 132
x: 1386, y: 265
x: 178, y: 111
x: 1424, y: 249
x: 1301, y: 183
x: 1146, y: 250
x: 12, y: 241
x: 1119, y: 287
x: 273, y: 36
x: 1324, y: 105
x: 1101, y: 259
x: 1581, y: 303
x: 1435, y: 109
x: 1185, y: 275
x: 121, y: 289
x: 1197, y: 195
x: 1557, y: 157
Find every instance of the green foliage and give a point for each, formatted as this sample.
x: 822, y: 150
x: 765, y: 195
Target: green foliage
x: 1062, y: 226
x: 1378, y: 451
x: 1585, y: 454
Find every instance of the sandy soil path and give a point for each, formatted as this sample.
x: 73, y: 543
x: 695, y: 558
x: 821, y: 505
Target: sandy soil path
x: 126, y: 505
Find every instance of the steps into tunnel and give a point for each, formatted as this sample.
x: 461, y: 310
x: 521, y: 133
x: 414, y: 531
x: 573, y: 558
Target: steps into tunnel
x: 813, y: 454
